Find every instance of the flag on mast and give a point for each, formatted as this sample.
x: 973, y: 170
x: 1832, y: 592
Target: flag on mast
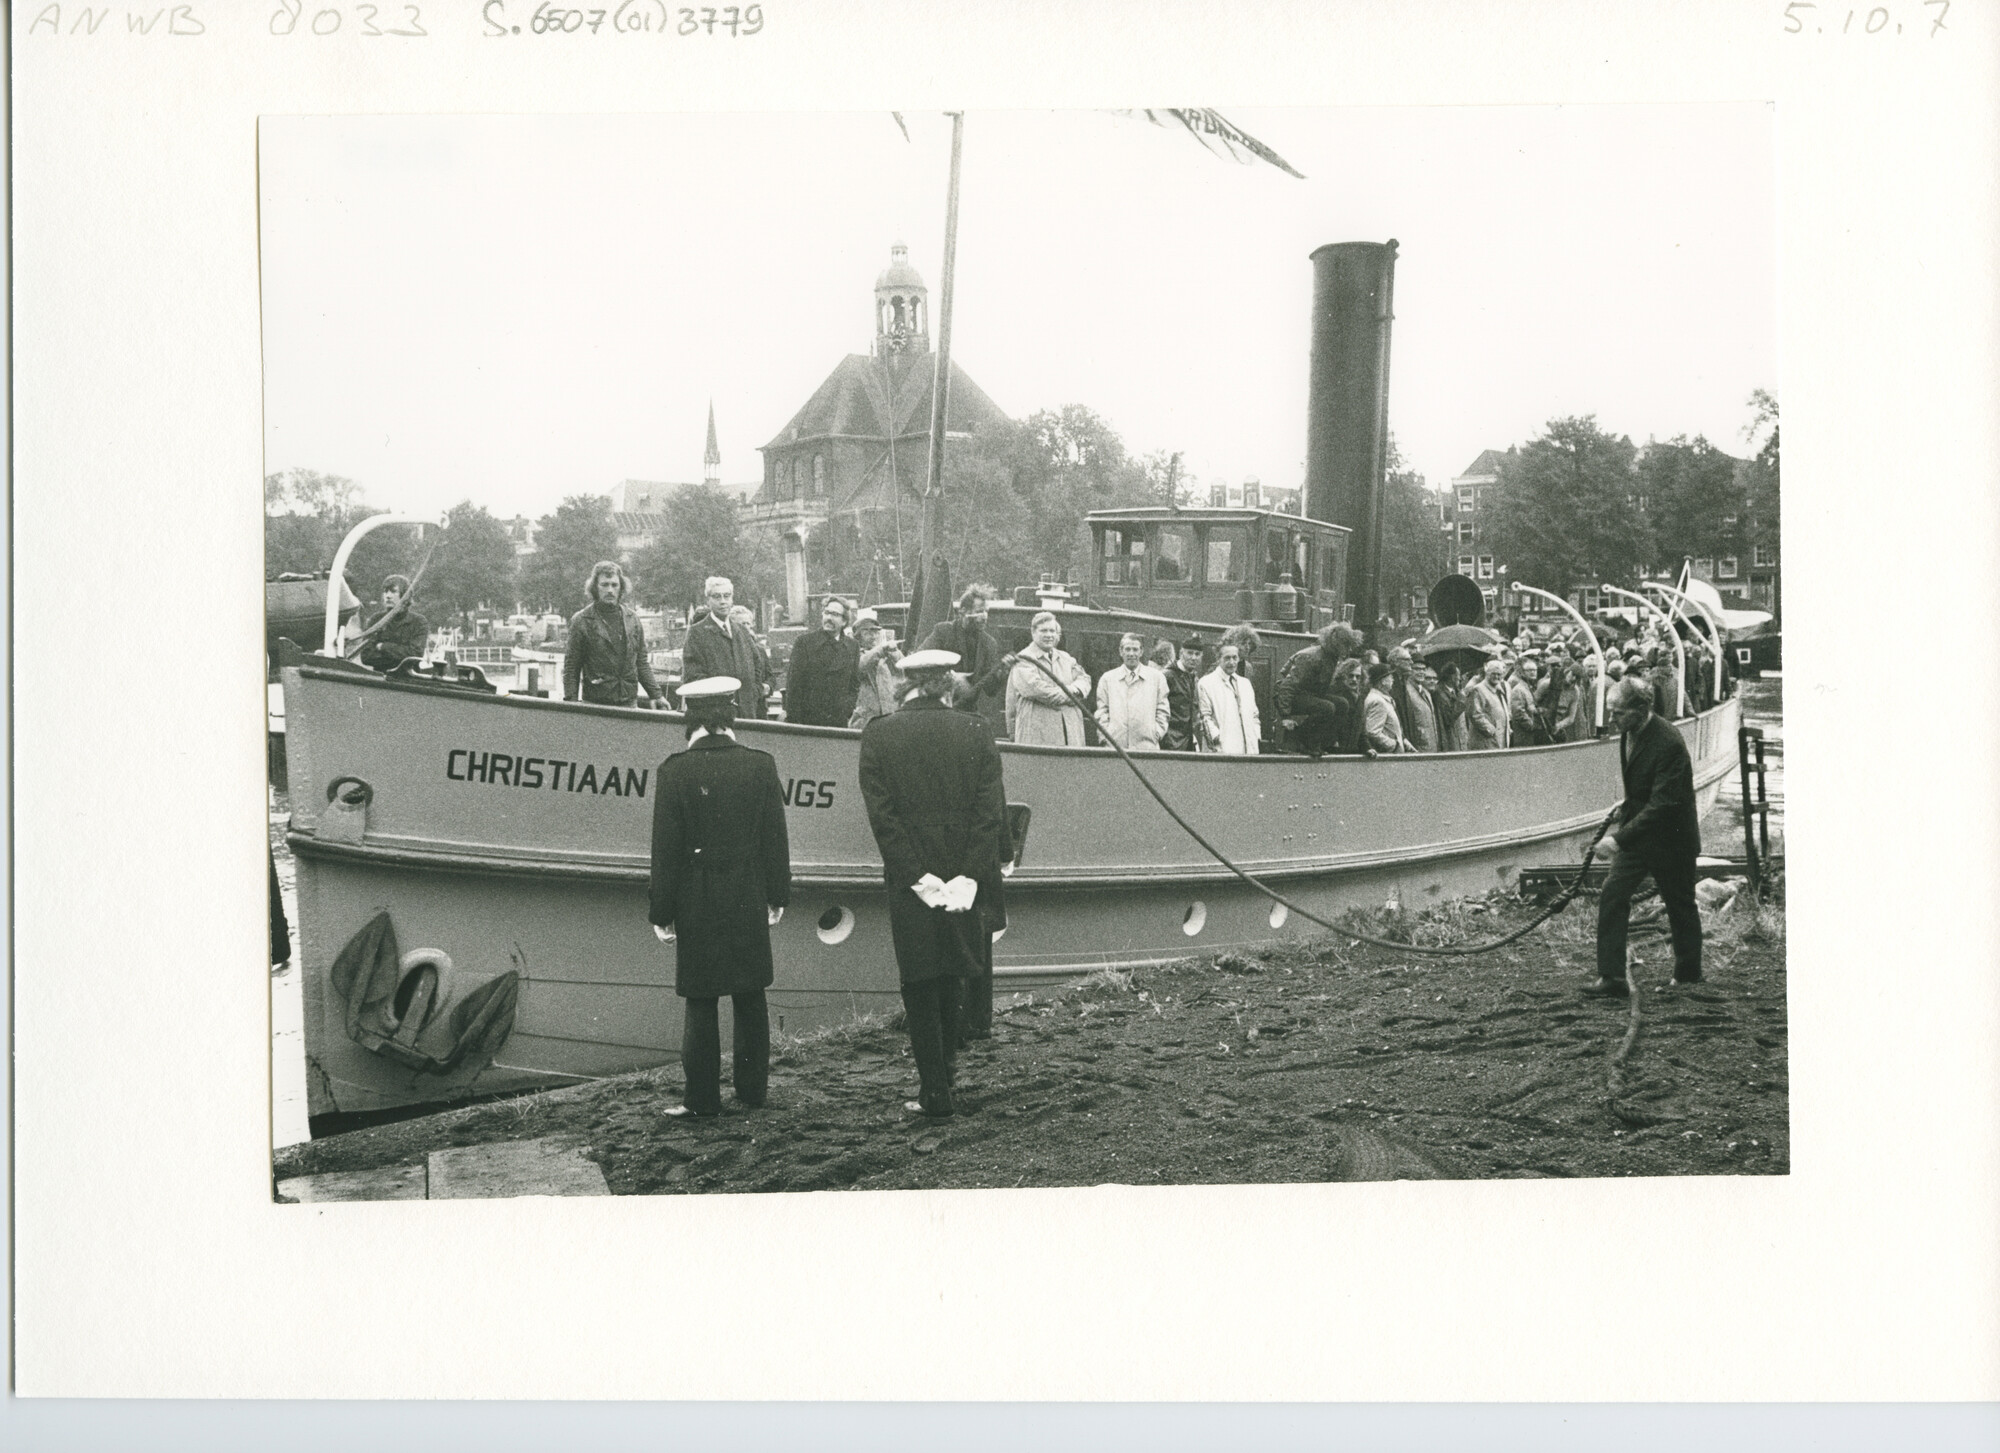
x: 1220, y: 135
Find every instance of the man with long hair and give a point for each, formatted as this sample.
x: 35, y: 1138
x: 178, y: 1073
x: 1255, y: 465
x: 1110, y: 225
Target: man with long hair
x: 605, y: 661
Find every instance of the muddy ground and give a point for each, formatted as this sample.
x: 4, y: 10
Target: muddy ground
x: 1333, y: 1060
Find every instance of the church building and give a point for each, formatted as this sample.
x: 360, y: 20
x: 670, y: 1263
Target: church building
x: 862, y: 440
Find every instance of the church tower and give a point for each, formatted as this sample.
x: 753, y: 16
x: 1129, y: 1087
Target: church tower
x: 711, y: 459
x: 902, y: 308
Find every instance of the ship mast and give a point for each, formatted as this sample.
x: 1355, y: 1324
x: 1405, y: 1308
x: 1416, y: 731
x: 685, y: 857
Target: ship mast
x: 934, y: 605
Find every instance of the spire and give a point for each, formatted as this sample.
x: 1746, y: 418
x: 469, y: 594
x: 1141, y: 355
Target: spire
x: 711, y: 457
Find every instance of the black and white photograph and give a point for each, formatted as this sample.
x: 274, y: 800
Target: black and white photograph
x: 1150, y: 647
x: 1061, y: 725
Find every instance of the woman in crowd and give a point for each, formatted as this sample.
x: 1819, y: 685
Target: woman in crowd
x: 1350, y: 697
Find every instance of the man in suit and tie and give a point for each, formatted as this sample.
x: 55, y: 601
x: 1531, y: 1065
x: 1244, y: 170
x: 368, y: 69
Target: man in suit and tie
x: 716, y: 646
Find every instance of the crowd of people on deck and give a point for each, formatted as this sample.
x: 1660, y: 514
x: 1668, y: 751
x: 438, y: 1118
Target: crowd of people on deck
x: 1336, y: 697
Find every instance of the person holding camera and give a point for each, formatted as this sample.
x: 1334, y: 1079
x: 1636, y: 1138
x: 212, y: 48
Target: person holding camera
x: 880, y: 680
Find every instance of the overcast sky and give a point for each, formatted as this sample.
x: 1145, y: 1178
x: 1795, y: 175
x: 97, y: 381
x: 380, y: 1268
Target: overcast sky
x: 516, y: 309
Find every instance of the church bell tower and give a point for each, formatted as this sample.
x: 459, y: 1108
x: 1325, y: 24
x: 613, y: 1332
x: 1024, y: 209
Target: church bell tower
x: 902, y: 308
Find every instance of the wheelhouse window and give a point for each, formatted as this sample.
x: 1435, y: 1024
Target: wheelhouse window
x: 1228, y: 545
x: 1124, y: 557
x: 1173, y: 559
x: 1302, y: 563
x: 1277, y: 557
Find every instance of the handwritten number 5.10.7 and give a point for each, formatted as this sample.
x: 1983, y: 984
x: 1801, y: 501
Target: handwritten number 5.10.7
x: 1874, y: 22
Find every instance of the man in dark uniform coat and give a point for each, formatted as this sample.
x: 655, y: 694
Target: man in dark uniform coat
x: 930, y: 777
x: 398, y: 632
x: 1658, y: 834
x: 722, y: 876
x: 824, y: 677
x: 717, y: 647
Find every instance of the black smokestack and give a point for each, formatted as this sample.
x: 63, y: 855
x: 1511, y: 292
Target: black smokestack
x: 1348, y: 406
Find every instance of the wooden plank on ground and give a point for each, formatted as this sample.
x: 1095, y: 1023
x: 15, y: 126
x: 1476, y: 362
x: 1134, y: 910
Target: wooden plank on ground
x: 549, y: 1167
x: 389, y: 1183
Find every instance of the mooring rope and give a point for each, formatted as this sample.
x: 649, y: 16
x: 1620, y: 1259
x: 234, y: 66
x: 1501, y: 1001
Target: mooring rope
x: 1556, y: 905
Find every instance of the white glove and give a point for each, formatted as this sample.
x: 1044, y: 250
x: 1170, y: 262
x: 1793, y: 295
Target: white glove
x: 772, y: 915
x: 664, y: 935
x: 930, y: 888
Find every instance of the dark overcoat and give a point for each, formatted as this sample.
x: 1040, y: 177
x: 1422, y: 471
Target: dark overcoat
x: 721, y: 857
x: 931, y: 780
x: 823, y: 680
x: 1658, y: 820
x: 984, y: 693
x: 599, y: 667
x: 710, y: 650
x: 1183, y: 710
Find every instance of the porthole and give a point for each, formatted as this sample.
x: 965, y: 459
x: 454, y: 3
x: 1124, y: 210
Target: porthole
x: 835, y: 925
x: 1279, y: 913
x: 1195, y: 918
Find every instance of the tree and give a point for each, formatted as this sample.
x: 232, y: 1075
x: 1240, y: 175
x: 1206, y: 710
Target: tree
x: 306, y: 516
x: 1694, y: 500
x: 474, y: 563
x: 567, y: 544
x: 1763, y: 502
x: 701, y: 538
x: 1015, y: 497
x: 1070, y: 461
x: 1414, y: 552
x: 1565, y: 513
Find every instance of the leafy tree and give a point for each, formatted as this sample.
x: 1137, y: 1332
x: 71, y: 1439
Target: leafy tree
x: 474, y: 563
x: 306, y: 516
x: 1764, y: 500
x: 1694, y: 499
x: 702, y: 537
x: 1565, y: 513
x: 567, y: 544
x: 1069, y: 461
x: 1414, y: 551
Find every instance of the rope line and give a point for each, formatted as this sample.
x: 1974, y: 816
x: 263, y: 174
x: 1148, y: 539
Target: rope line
x: 1556, y: 905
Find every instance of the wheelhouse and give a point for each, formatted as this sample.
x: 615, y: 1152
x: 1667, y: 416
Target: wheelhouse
x: 1219, y: 565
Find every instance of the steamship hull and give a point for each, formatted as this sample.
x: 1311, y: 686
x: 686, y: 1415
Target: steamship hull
x: 512, y: 835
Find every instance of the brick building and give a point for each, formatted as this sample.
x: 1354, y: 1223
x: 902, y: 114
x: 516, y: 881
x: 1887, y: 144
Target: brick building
x: 862, y: 440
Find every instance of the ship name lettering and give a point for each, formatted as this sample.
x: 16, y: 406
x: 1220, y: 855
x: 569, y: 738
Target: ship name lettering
x: 806, y: 792
x: 501, y: 769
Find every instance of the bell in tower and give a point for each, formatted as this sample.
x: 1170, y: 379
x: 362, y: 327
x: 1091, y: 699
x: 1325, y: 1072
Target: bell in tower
x: 902, y: 308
